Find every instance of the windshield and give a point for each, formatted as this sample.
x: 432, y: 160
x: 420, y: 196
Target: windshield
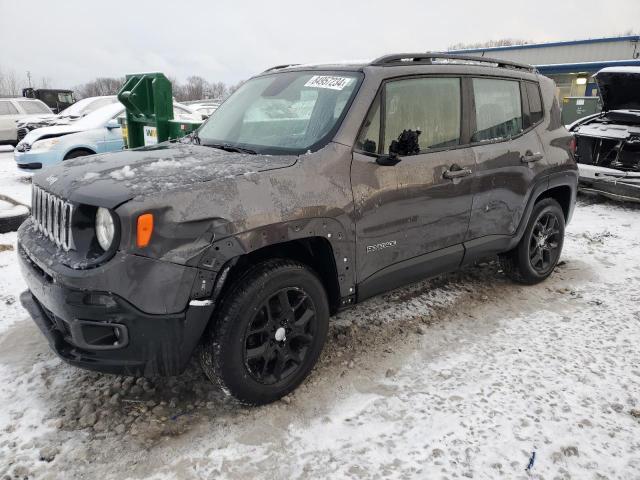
x: 86, y: 105
x: 99, y: 117
x: 289, y: 112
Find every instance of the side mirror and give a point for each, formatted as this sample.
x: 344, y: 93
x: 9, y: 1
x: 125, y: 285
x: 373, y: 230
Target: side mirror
x: 113, y: 123
x: 388, y: 160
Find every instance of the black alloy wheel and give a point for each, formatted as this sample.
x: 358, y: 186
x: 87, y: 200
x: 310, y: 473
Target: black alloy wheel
x: 544, y: 243
x: 278, y: 338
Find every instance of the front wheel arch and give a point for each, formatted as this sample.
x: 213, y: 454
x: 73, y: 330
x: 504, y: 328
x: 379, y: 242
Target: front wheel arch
x: 78, y: 152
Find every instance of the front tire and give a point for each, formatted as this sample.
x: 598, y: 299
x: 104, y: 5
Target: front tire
x: 539, y: 249
x: 268, y: 333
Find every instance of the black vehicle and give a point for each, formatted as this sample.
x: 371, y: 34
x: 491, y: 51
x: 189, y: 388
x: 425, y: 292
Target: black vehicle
x: 608, y: 143
x: 310, y: 189
x: 57, y: 100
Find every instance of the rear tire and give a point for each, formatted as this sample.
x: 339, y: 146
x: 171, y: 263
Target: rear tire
x: 268, y: 332
x: 537, y: 254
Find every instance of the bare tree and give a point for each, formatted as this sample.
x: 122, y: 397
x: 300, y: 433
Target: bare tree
x: 195, y: 88
x: 45, y: 82
x: 9, y: 83
x: 233, y: 88
x: 218, y: 90
x: 98, y: 87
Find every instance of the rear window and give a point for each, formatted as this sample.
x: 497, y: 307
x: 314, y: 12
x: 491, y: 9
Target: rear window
x: 535, y: 102
x: 498, y: 109
x: 34, y: 107
x: 7, y: 108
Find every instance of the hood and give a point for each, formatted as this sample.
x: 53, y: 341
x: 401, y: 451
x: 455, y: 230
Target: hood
x: 619, y: 87
x: 48, y: 132
x: 110, y: 179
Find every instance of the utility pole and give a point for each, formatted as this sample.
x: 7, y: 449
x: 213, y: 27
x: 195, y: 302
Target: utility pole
x: 29, y: 78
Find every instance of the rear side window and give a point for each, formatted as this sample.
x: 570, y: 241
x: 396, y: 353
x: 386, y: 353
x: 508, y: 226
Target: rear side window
x: 535, y: 102
x: 34, y: 107
x: 7, y: 108
x: 431, y: 105
x: 498, y: 109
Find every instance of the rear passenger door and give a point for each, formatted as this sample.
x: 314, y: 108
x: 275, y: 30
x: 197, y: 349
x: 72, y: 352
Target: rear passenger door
x: 508, y: 154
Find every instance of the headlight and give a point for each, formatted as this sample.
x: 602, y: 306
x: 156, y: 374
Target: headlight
x: 105, y: 228
x: 44, y: 144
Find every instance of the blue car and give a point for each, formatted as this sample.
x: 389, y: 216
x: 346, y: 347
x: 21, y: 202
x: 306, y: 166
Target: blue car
x: 98, y: 132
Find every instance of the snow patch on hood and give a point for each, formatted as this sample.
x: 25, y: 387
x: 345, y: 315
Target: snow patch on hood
x: 57, y: 130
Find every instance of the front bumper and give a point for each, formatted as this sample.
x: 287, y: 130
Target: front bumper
x: 611, y: 183
x: 98, y: 329
x: 33, y: 160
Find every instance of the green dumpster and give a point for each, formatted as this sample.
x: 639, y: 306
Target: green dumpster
x: 148, y: 100
x: 574, y: 108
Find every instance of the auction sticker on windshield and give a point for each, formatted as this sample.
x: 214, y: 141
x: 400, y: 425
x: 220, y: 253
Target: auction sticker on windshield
x: 328, y: 81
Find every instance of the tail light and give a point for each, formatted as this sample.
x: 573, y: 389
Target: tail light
x: 573, y: 144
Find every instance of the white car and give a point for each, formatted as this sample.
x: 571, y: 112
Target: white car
x: 205, y: 109
x: 69, y: 115
x: 97, y: 132
x: 15, y: 109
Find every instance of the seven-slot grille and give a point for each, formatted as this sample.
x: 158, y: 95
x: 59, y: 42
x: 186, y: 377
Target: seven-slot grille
x: 52, y: 216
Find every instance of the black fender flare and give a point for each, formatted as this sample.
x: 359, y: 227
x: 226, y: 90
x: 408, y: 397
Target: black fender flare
x: 218, y: 259
x: 568, y: 178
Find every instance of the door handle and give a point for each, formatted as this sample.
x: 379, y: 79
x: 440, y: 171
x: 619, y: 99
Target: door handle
x: 529, y: 157
x: 456, y: 172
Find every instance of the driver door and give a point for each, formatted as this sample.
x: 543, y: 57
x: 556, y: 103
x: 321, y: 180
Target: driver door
x: 412, y: 217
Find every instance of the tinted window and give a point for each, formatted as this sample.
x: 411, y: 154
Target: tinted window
x: 431, y: 105
x: 34, y: 107
x: 535, y: 102
x: 7, y: 108
x: 498, y: 109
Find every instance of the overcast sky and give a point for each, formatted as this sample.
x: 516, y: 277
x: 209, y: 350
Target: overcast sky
x: 71, y: 42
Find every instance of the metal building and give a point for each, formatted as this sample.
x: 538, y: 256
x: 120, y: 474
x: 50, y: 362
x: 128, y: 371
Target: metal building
x: 571, y: 64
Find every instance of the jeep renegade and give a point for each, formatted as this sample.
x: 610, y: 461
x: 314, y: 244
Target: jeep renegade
x: 310, y: 189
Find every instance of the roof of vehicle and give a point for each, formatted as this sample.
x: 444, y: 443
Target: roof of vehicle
x: 411, y: 59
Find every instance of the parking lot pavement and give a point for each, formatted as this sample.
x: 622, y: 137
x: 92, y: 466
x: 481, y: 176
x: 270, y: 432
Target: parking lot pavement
x: 465, y: 375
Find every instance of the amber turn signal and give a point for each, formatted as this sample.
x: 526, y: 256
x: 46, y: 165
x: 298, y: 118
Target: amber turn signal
x: 145, y: 229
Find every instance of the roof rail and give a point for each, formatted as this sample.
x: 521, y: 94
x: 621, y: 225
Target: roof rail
x: 429, y: 57
x: 278, y: 67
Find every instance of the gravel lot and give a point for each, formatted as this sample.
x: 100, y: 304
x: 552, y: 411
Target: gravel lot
x: 461, y: 376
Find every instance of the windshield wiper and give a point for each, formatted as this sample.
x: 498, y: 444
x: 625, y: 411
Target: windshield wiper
x: 231, y: 148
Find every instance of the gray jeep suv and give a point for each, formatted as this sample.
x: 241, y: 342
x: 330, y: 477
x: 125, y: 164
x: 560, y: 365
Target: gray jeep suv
x: 310, y: 189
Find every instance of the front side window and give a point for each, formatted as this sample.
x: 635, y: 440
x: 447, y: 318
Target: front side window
x: 429, y: 105
x: 498, y: 109
x: 34, y: 107
x: 288, y: 112
x: 369, y: 138
x: 7, y: 108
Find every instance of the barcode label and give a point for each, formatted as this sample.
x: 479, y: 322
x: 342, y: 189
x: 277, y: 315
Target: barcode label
x: 328, y: 81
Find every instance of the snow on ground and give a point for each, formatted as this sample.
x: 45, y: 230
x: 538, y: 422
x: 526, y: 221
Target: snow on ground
x: 461, y: 376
